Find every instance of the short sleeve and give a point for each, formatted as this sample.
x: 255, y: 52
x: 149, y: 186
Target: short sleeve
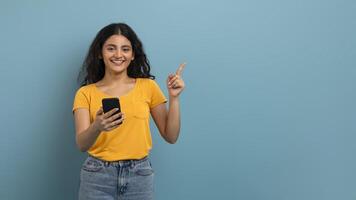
x: 81, y: 99
x: 157, y: 96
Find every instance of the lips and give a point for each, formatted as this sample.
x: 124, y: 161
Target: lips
x: 117, y: 62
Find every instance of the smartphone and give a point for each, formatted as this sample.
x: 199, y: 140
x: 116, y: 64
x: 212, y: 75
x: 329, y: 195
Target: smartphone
x: 111, y: 103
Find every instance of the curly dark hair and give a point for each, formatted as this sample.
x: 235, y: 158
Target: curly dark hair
x: 93, y: 69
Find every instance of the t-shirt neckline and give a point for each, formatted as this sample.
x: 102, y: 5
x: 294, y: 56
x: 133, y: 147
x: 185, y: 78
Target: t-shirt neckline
x: 124, y: 95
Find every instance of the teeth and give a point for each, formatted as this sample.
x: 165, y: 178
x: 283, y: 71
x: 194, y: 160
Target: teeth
x: 117, y: 61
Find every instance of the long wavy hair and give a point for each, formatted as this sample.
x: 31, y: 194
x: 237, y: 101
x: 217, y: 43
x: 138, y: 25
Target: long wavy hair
x: 93, y: 68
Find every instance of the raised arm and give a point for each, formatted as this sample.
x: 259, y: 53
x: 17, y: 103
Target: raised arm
x: 168, y: 121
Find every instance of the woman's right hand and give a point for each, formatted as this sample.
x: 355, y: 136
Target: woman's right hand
x: 106, y: 122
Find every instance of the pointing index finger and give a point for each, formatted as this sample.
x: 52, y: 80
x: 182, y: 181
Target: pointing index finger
x: 180, y: 69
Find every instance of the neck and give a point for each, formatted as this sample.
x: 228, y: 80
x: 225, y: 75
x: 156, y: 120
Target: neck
x: 115, y: 79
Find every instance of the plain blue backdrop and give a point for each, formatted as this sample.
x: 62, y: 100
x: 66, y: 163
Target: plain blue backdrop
x: 268, y: 112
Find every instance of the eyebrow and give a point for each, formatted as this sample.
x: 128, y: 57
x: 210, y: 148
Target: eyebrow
x: 126, y: 45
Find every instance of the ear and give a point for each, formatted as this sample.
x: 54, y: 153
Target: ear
x: 133, y: 56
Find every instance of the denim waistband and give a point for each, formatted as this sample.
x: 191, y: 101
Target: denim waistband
x: 121, y: 163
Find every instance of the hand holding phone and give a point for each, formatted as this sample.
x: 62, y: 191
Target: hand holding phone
x: 111, y: 103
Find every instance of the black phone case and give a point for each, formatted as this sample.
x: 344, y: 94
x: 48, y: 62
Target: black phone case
x: 111, y: 103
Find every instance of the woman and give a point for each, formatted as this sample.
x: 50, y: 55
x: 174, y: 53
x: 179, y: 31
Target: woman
x: 118, y: 144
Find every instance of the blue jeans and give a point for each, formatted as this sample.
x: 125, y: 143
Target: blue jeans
x: 124, y: 180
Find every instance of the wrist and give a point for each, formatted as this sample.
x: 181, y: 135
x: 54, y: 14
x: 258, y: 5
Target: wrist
x: 173, y: 98
x: 95, y: 128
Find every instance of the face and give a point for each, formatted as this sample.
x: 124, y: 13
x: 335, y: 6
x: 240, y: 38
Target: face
x: 117, y: 54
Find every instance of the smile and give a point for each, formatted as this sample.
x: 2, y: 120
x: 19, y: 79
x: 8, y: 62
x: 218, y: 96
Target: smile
x: 117, y: 62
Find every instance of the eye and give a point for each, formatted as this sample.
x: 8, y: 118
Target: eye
x: 110, y: 48
x: 126, y: 49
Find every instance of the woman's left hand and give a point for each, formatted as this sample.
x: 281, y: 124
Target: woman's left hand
x: 175, y: 83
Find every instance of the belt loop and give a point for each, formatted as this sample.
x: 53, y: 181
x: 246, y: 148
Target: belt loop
x: 119, y: 164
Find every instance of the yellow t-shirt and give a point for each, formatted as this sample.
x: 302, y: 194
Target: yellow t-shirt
x: 132, y: 139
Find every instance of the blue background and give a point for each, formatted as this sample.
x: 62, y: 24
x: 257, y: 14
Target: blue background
x: 268, y: 112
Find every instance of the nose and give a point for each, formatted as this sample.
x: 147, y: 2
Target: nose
x: 118, y: 53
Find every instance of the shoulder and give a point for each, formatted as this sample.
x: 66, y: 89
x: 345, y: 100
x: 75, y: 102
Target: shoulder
x: 145, y: 83
x: 145, y: 80
x: 86, y: 89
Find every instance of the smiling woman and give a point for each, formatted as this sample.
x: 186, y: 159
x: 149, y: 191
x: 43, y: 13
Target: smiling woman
x: 119, y: 141
x: 117, y: 38
x: 117, y: 54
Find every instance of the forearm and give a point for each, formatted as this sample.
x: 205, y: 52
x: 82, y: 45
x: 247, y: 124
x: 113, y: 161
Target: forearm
x: 173, y: 120
x: 87, y: 138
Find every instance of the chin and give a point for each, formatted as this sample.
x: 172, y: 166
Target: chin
x: 118, y: 70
